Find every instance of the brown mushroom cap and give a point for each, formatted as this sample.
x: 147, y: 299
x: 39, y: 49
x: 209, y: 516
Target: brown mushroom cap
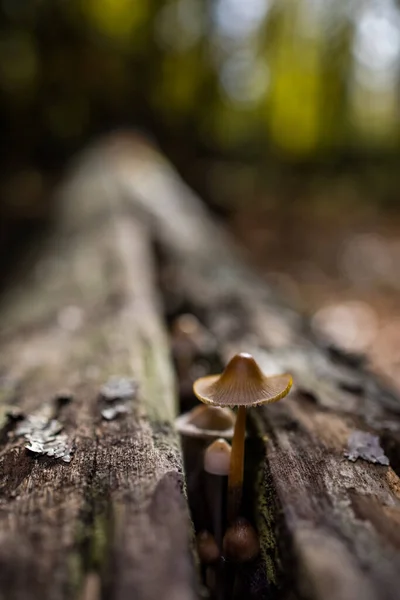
x: 242, y: 383
x: 241, y: 543
x: 207, y: 422
x: 207, y: 548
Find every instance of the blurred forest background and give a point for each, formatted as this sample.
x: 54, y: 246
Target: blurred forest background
x: 283, y: 114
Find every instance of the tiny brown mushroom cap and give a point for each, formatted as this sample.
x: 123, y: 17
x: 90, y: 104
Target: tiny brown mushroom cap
x: 212, y: 417
x: 207, y: 548
x: 241, y: 543
x: 207, y: 422
x: 242, y: 383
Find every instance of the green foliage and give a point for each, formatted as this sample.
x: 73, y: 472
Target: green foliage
x: 296, y: 76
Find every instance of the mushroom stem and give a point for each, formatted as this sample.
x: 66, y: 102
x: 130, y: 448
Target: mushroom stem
x: 216, y: 465
x: 235, y: 478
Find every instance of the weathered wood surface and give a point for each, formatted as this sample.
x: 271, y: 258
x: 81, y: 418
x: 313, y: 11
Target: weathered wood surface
x: 330, y: 527
x: 112, y: 523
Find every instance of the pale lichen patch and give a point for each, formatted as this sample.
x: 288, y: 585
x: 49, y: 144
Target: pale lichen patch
x: 363, y: 445
x: 44, y: 435
x: 115, y: 395
x: 119, y: 388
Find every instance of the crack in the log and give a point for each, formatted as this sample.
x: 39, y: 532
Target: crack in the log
x: 264, y: 578
x: 94, y: 533
x: 331, y: 382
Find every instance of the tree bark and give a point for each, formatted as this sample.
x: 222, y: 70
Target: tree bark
x: 114, y: 521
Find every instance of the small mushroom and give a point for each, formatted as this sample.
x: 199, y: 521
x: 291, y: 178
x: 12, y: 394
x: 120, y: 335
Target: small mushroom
x: 217, y: 458
x: 241, y: 543
x: 209, y: 555
x: 207, y: 548
x: 197, y: 428
x: 241, y: 384
x: 207, y: 422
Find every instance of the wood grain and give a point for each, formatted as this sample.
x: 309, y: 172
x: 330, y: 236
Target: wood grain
x: 114, y: 522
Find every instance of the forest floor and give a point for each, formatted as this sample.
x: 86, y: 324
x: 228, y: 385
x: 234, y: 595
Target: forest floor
x: 341, y: 269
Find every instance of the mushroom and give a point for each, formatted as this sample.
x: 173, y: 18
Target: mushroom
x: 217, y: 458
x: 209, y: 555
x: 207, y: 422
x: 241, y: 543
x: 198, y: 428
x: 241, y: 384
x: 207, y: 548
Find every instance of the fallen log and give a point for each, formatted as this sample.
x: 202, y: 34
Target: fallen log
x: 330, y: 527
x: 113, y: 521
x: 91, y: 486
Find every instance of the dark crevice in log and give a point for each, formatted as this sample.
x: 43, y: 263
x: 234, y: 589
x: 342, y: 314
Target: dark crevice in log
x: 342, y: 357
x: 9, y: 422
x: 262, y: 579
x: 85, y: 536
x: 262, y: 506
x: 390, y: 442
x: 288, y: 554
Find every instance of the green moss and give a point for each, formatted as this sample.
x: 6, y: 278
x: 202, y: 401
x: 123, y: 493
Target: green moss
x: 265, y: 522
x: 158, y: 385
x: 92, y: 540
x: 99, y: 542
x: 76, y: 572
x: 265, y: 506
